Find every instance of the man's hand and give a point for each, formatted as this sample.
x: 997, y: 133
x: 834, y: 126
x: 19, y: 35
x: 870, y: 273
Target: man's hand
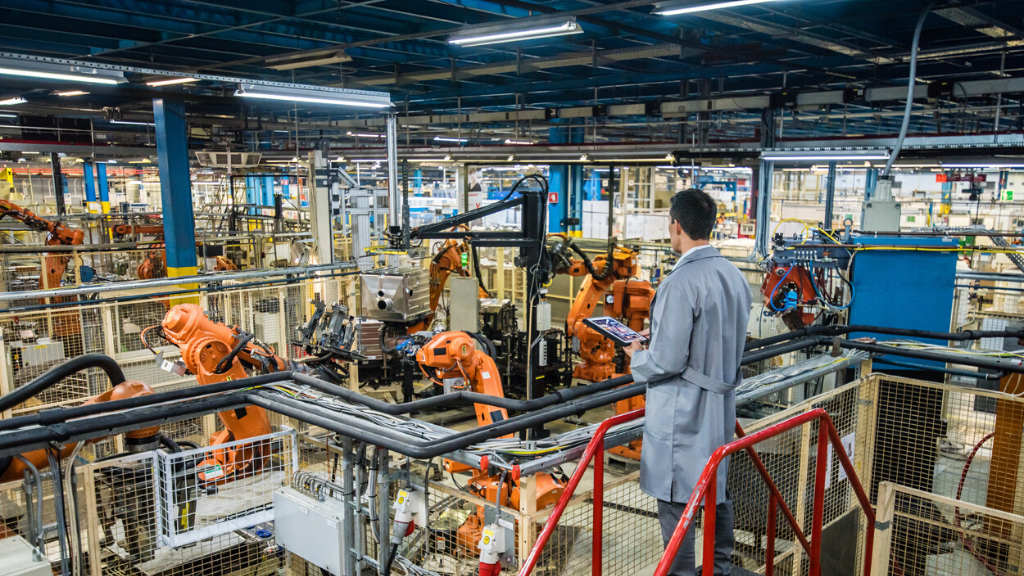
x: 633, y: 347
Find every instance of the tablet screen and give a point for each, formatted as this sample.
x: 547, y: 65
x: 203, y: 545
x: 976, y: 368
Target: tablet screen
x: 615, y: 330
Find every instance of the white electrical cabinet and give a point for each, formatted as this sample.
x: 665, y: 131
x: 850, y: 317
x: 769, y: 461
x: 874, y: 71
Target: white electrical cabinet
x: 21, y: 559
x: 309, y: 528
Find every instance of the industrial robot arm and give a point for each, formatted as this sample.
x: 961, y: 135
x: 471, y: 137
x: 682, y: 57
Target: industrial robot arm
x: 448, y: 260
x: 216, y: 353
x: 453, y: 355
x: 57, y: 234
x: 12, y: 469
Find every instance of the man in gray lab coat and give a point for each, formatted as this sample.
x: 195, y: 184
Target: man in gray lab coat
x: 692, y: 368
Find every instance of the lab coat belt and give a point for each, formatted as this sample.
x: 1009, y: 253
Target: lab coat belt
x: 694, y: 376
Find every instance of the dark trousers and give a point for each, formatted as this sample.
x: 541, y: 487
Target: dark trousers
x: 684, y: 563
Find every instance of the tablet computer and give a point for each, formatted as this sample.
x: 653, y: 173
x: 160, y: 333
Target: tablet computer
x: 614, y: 330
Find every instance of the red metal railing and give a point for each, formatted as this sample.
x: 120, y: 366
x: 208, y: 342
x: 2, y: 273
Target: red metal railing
x: 706, y: 492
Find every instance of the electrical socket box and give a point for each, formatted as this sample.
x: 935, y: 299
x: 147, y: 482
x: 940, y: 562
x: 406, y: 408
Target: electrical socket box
x: 309, y: 528
x: 21, y: 559
x: 880, y: 216
x: 463, y: 304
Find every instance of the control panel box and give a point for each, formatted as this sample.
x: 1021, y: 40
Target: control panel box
x: 310, y: 529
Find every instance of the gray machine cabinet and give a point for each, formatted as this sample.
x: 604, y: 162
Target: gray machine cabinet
x: 310, y: 529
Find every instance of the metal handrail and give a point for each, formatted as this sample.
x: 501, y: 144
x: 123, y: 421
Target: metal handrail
x: 706, y: 491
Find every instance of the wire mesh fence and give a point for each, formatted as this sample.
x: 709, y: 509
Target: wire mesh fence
x: 32, y: 342
x: 953, y: 455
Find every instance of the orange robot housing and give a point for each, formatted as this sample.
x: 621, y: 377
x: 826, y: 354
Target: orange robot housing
x: 454, y: 355
x: 208, y: 351
x: 136, y: 440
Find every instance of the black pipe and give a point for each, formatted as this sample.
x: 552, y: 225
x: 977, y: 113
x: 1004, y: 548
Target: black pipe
x: 55, y: 375
x: 943, y: 369
x: 772, y: 351
x: 166, y: 442
x: 424, y: 449
x: 462, y: 397
x: 840, y: 330
x: 59, y: 415
x: 952, y: 358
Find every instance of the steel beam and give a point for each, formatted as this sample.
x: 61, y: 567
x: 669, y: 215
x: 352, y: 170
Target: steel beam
x: 175, y: 187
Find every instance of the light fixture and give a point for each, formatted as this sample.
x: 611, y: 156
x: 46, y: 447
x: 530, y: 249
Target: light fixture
x: 334, y: 96
x: 365, y: 135
x: 584, y: 158
x: 518, y: 142
x: 111, y: 161
x: 305, y: 60
x: 670, y: 157
x: 676, y: 8
x: 339, y: 159
x: 131, y: 123
x: 511, y: 157
x: 50, y: 71
x: 6, y: 115
x: 29, y: 152
x: 984, y: 166
x: 448, y: 158
x: 824, y: 156
x: 12, y: 101
x: 519, y: 29
x: 143, y: 161
x: 72, y: 93
x: 443, y: 139
x: 172, y: 81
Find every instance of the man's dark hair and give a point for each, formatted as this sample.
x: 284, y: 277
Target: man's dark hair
x: 695, y: 210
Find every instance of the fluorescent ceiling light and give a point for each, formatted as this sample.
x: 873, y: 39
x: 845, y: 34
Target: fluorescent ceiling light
x: 130, y: 123
x: 72, y: 93
x: 365, y: 135
x: 6, y: 115
x: 443, y: 139
x: 12, y: 101
x: 333, y: 96
x: 825, y: 156
x: 111, y: 161
x: 172, y: 81
x: 518, y: 29
x: 48, y: 71
x: 319, y: 58
x: 984, y: 166
x: 676, y: 8
x: 143, y: 161
x: 518, y: 143
x: 28, y: 153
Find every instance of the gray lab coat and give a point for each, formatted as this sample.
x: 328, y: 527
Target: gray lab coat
x: 692, y: 368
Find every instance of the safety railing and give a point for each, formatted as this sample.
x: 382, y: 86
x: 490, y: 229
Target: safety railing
x: 705, y: 492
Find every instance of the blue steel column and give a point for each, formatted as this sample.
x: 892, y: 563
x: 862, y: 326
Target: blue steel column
x: 268, y: 191
x: 90, y: 187
x: 101, y: 185
x: 870, y: 182
x: 565, y: 180
x: 175, y: 187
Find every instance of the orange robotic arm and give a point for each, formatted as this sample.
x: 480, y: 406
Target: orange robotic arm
x: 453, y: 355
x: 447, y: 261
x: 143, y: 439
x: 775, y: 288
x: 57, y: 234
x: 148, y: 229
x: 216, y: 353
